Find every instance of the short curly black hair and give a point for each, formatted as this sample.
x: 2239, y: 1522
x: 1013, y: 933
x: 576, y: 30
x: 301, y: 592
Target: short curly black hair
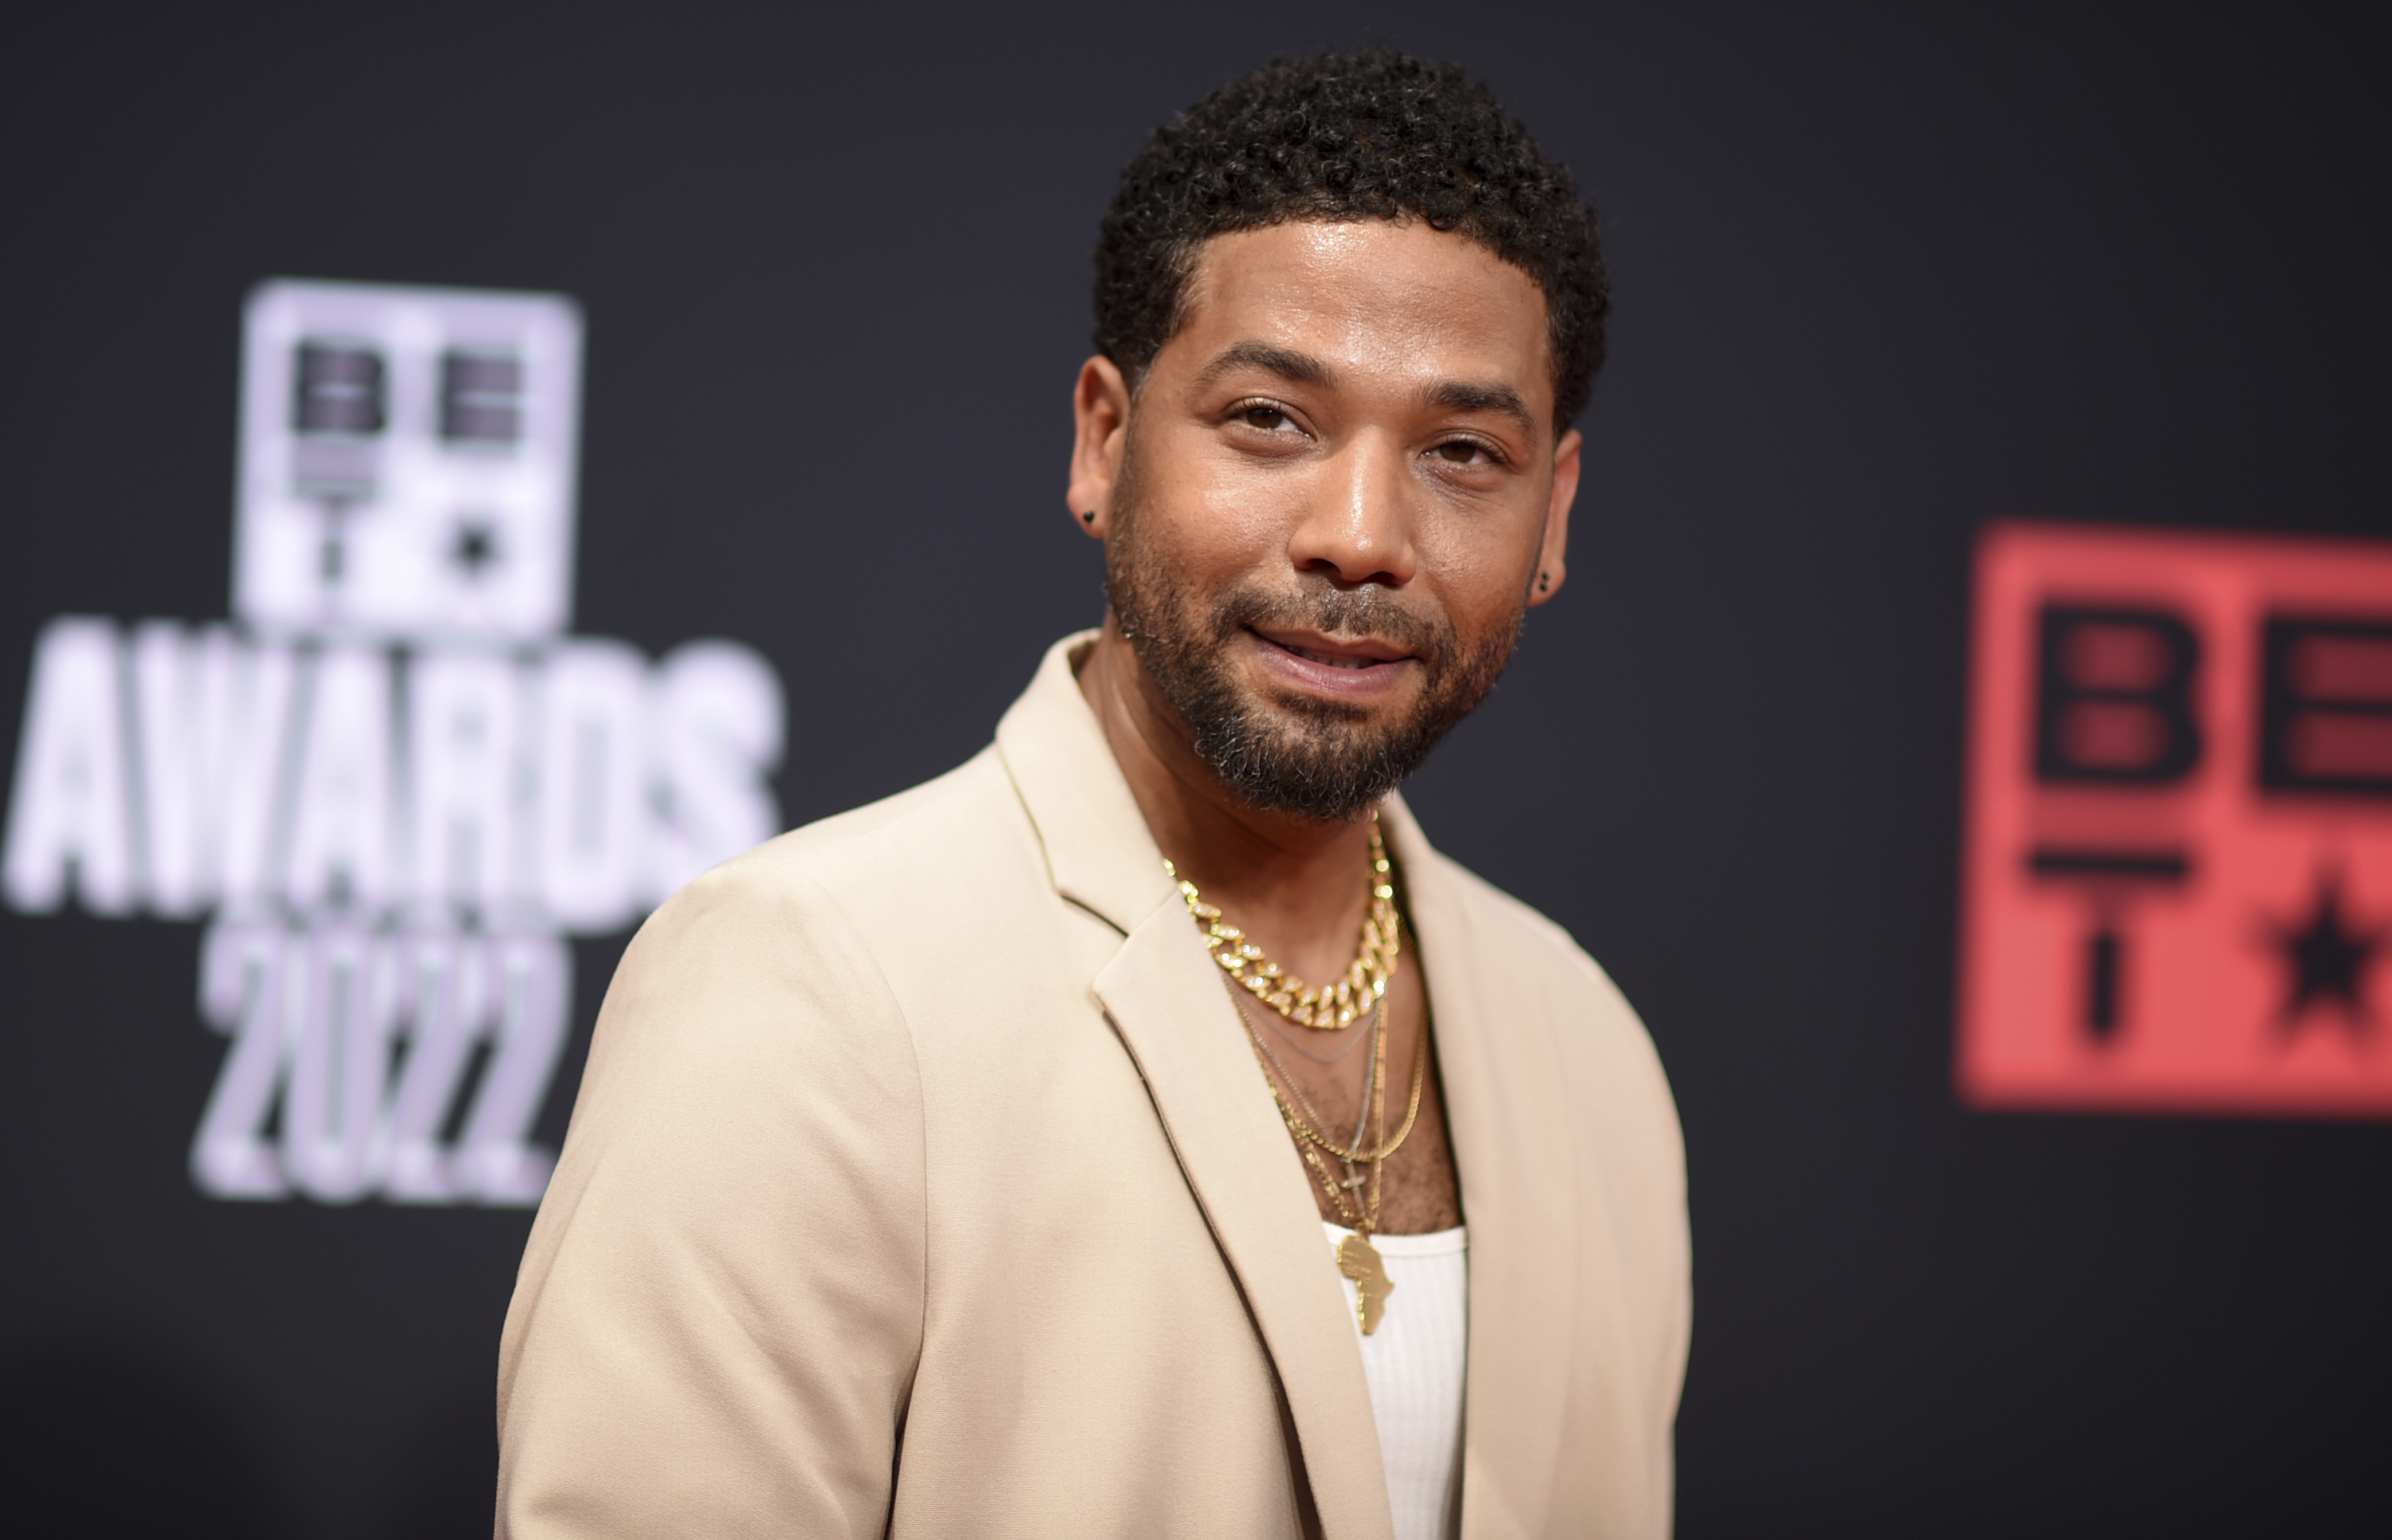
x: 1375, y: 135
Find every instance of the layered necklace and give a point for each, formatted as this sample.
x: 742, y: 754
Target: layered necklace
x: 1332, y: 1007
x: 1360, y: 997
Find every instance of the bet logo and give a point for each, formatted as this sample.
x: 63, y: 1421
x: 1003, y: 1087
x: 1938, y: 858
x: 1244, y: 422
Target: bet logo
x: 2177, y: 890
x: 392, y: 783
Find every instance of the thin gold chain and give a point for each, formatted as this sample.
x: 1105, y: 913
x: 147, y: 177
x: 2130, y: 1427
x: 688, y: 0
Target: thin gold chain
x: 1361, y: 1218
x: 1370, y: 1039
x: 1374, y: 1038
x: 1311, y: 1135
x: 1332, y: 1007
x: 1288, y: 1041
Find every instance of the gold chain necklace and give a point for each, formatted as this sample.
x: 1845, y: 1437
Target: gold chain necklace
x: 1357, y: 1258
x: 1360, y: 995
x: 1351, y: 1198
x: 1332, y: 1007
x: 1308, y: 1129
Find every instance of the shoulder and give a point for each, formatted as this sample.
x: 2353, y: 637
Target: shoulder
x: 786, y: 930
x: 799, y: 939
x: 1525, y: 940
x: 1600, y: 1037
x: 828, y: 881
x: 951, y: 815
x: 754, y: 1011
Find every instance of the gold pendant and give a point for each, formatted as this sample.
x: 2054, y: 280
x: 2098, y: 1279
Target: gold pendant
x: 1358, y: 1260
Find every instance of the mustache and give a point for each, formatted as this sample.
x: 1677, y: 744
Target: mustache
x: 1352, y: 615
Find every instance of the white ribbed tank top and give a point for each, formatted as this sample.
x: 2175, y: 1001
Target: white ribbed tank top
x: 1414, y: 1362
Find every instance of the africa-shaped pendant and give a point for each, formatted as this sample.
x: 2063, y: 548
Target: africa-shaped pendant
x: 1359, y: 1260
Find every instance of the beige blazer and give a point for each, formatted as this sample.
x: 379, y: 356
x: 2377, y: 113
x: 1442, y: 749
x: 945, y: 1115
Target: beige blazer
x: 923, y: 1182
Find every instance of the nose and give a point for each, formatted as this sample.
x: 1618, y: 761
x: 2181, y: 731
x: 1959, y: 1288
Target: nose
x: 1357, y: 527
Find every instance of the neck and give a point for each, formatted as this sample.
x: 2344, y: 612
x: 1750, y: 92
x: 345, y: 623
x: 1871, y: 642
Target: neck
x: 1295, y: 885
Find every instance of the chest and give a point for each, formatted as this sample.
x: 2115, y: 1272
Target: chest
x: 1372, y: 1086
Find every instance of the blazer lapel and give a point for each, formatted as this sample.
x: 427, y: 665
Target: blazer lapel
x: 1164, y: 997
x: 1521, y: 1197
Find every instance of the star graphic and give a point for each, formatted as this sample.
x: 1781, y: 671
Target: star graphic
x: 2327, y: 958
x: 475, y: 548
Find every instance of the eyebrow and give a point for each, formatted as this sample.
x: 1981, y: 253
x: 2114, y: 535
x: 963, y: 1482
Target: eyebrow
x: 1301, y: 369
x: 1461, y: 395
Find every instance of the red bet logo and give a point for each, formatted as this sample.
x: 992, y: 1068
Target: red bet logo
x: 2176, y: 889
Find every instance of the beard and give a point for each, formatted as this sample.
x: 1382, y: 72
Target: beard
x: 1280, y: 751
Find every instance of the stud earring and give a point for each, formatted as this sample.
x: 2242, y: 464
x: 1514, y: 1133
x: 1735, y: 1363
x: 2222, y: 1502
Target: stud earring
x: 1543, y: 586
x: 1089, y: 517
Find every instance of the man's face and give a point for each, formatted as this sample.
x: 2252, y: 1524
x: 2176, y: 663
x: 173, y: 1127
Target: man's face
x: 1337, y: 489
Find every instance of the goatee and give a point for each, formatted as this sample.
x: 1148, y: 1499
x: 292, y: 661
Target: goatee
x: 1286, y: 752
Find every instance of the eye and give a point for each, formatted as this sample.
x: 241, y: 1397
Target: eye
x: 1465, y: 451
x: 1266, y: 417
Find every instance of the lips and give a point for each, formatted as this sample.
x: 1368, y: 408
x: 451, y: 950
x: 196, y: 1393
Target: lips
x: 1353, y: 670
x: 1333, y: 660
x: 1335, y: 653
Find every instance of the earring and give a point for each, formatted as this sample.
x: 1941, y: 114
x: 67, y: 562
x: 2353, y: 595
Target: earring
x: 1089, y: 517
x: 1543, y: 585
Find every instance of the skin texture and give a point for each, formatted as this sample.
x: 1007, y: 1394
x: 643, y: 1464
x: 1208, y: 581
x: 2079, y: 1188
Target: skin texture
x: 1349, y: 406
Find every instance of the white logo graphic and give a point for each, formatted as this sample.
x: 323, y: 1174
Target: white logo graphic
x: 390, y: 783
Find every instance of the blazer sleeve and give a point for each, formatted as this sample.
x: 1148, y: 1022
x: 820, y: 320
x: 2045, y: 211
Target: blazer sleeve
x: 720, y: 1310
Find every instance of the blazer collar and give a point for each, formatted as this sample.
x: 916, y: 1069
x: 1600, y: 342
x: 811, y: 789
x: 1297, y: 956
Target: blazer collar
x: 1099, y: 849
x: 1166, y: 999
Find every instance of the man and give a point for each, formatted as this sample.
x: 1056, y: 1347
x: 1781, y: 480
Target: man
x: 953, y: 1168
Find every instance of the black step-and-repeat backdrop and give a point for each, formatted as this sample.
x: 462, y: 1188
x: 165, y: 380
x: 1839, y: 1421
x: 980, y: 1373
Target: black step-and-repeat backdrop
x: 468, y: 470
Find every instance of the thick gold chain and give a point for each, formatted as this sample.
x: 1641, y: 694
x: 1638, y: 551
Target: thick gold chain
x: 1331, y: 1008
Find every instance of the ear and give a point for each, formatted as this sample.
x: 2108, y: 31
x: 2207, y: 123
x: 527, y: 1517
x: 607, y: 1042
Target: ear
x: 1550, y: 569
x: 1100, y: 410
